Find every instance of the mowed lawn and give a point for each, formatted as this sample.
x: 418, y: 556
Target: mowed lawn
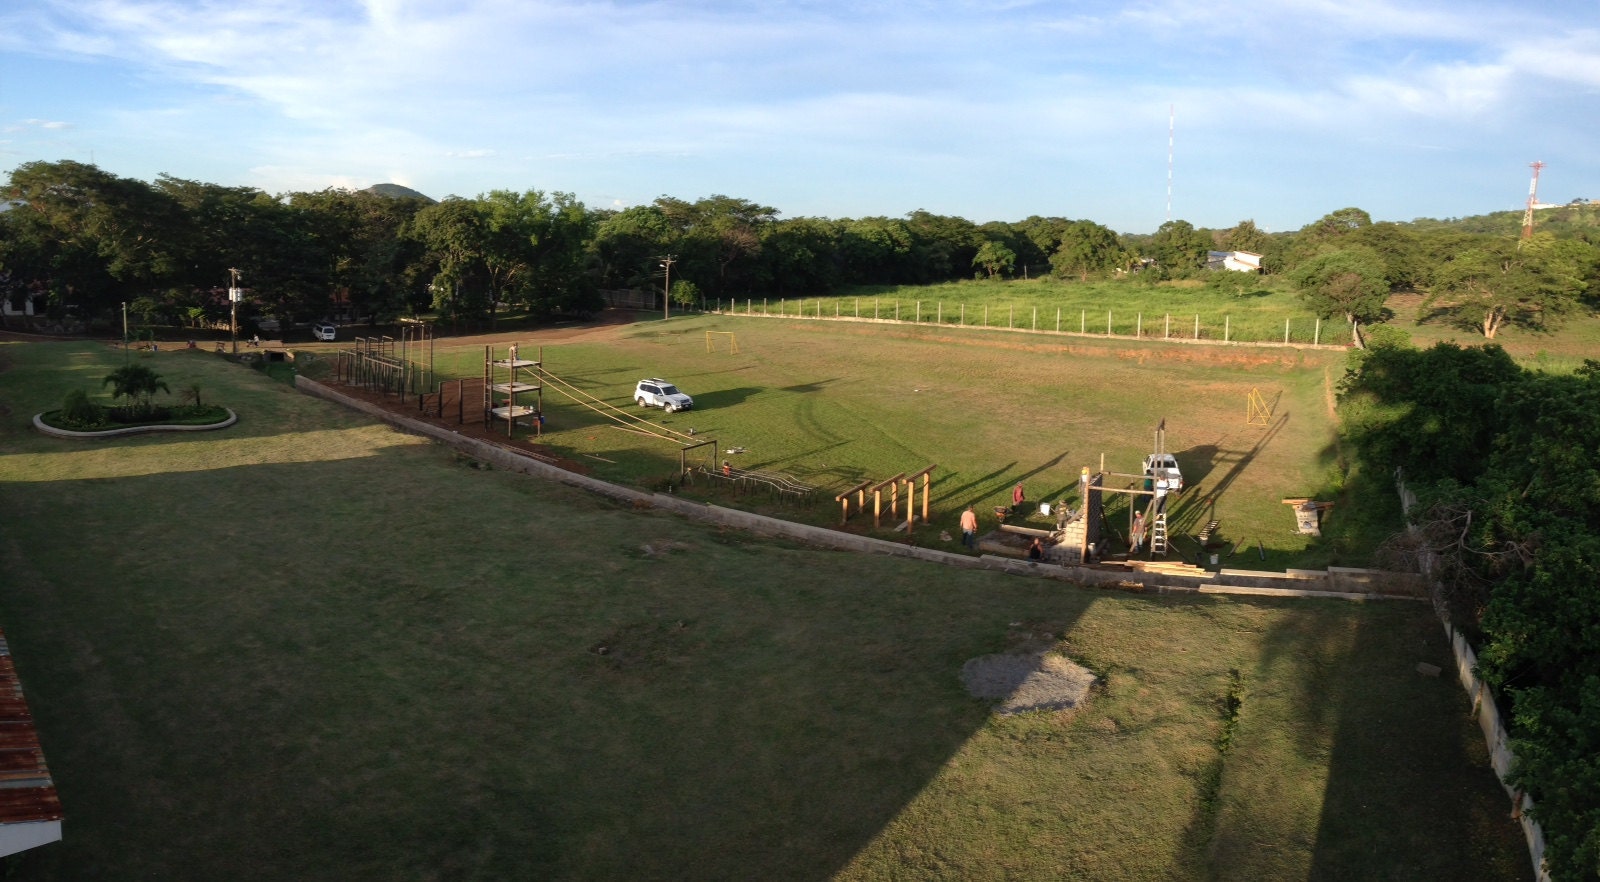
x: 836, y: 403
x: 309, y: 647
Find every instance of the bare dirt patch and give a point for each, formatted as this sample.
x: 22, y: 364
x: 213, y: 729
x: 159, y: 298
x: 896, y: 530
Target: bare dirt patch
x: 1033, y: 681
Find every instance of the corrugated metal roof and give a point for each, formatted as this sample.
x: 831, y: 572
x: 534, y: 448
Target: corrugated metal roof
x: 27, y: 794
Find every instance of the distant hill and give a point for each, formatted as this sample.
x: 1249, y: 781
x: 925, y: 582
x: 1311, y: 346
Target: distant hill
x: 395, y: 191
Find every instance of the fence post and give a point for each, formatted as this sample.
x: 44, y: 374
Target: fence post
x: 1138, y: 328
x: 963, y: 315
x: 1316, y: 335
x: 919, y: 312
x: 986, y: 315
x: 1197, y: 326
x: 1227, y: 328
x: 897, y: 309
x: 1083, y: 318
x: 1058, y: 320
x: 1011, y: 316
x: 1108, y: 323
x: 1036, y: 318
x: 938, y: 313
x: 1286, y: 332
x: 1168, y: 334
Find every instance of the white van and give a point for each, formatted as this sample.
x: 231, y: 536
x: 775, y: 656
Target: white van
x: 325, y: 333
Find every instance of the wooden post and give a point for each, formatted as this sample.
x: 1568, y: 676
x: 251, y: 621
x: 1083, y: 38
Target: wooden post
x: 860, y: 491
x: 1058, y: 320
x: 911, y: 503
x: 1227, y: 328
x: 1285, y: 332
x: 927, y: 482
x: 1138, y: 328
x: 877, y: 498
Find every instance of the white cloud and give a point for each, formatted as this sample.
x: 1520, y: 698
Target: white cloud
x: 1454, y: 91
x: 1574, y: 58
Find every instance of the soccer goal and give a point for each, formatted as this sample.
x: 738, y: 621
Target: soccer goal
x: 724, y: 340
x: 1257, y: 411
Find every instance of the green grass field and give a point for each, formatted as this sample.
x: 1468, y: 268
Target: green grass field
x: 836, y: 403
x: 1186, y: 309
x: 308, y: 647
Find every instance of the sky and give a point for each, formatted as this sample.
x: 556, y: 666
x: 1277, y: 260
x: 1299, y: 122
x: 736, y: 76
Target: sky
x: 1276, y: 111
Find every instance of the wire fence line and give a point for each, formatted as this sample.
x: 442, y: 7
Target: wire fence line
x: 1173, y: 327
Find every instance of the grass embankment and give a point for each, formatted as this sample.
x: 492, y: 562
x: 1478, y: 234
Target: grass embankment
x: 312, y: 648
x: 835, y: 403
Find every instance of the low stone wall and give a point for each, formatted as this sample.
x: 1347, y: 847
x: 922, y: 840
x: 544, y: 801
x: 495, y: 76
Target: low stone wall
x: 1345, y: 584
x: 42, y: 426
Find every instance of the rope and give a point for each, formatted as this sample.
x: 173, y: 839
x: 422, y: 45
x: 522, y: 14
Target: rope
x: 612, y: 412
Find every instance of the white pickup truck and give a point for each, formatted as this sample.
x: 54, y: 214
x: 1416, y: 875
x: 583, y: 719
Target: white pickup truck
x: 1164, y: 465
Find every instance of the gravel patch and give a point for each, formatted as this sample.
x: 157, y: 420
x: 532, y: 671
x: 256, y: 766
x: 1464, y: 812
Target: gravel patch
x: 1028, y: 682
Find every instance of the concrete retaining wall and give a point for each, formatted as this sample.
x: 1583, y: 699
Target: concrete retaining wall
x: 1495, y: 736
x: 1345, y: 585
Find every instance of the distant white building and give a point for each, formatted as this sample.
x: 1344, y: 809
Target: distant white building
x: 1238, y: 261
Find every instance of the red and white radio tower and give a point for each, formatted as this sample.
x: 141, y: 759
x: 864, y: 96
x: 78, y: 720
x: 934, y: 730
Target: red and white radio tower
x: 1533, y: 199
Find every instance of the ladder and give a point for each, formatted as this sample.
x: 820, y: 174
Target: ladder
x: 1158, y: 535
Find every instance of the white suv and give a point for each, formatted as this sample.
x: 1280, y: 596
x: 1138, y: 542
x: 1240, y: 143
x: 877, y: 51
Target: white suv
x: 660, y: 393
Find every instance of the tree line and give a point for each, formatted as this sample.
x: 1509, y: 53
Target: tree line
x: 76, y: 238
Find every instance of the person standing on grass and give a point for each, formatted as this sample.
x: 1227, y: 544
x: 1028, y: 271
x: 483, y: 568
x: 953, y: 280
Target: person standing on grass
x: 1017, y: 498
x: 1137, y: 537
x: 969, y: 528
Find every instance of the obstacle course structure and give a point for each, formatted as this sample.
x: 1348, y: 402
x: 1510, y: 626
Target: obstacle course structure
x: 389, y: 365
x: 893, y: 485
x: 507, y: 383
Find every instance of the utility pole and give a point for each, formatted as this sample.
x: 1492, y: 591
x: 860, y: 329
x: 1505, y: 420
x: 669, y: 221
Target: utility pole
x: 666, y: 285
x: 234, y: 296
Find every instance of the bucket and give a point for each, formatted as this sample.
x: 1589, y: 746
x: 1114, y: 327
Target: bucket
x: 1213, y: 560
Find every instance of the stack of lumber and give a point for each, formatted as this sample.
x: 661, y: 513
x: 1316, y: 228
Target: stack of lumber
x: 1170, y: 568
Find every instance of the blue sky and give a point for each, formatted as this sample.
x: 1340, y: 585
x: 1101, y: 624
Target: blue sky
x: 1285, y: 110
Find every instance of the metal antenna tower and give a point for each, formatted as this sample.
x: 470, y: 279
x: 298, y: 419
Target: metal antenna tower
x: 1172, y: 118
x: 1533, y: 199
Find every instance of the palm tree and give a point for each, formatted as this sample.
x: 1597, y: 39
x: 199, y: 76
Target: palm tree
x: 138, y: 383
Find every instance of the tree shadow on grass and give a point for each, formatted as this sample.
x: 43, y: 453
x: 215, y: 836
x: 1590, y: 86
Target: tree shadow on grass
x: 567, y: 689
x: 1391, y: 781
